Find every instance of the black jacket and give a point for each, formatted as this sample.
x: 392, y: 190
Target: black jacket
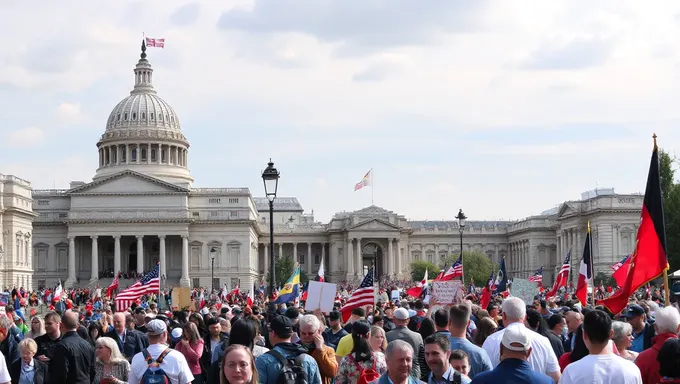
x: 135, y: 342
x: 39, y: 376
x: 206, y: 357
x: 10, y: 349
x: 73, y: 361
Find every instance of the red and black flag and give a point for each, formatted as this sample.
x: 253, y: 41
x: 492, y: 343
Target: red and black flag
x: 649, y: 260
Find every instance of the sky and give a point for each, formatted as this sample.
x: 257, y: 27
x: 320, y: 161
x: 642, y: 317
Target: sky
x: 504, y: 109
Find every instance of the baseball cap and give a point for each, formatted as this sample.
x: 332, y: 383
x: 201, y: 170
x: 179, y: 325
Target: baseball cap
x: 156, y: 327
x: 516, y: 339
x: 633, y: 310
x: 335, y: 315
x: 401, y: 314
x: 282, y: 326
x: 176, y: 333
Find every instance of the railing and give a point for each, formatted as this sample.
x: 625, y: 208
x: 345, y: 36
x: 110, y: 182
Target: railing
x: 218, y: 191
x: 219, y: 215
x: 15, y: 179
x: 127, y: 215
x: 49, y: 192
x: 284, y: 228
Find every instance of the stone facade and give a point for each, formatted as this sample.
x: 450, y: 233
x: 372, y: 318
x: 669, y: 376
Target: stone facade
x: 141, y: 209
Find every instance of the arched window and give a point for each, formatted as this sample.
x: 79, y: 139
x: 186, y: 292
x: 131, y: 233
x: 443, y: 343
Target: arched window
x: 151, y: 116
x: 153, y: 155
x: 134, y: 154
x: 143, y: 116
x: 143, y: 154
x: 118, y: 117
x: 125, y: 117
x: 134, y: 115
x: 162, y: 155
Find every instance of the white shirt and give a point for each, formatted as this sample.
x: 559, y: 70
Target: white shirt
x: 4, y: 373
x: 601, y: 369
x: 542, y: 358
x: 174, y: 365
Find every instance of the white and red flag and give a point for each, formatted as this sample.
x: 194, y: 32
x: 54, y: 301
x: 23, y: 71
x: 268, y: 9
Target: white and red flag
x: 562, y: 276
x: 112, y: 287
x: 418, y: 289
x: 367, y: 181
x: 584, y: 273
x: 321, y: 272
x: 537, y: 277
x: 156, y: 43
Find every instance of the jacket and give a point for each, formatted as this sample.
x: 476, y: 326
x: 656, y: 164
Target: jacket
x: 332, y: 339
x: 135, y: 342
x: 73, y: 361
x: 269, y: 367
x: 512, y: 371
x: 646, y: 360
x: 328, y: 364
x: 10, y: 349
x: 384, y: 379
x: 206, y: 357
x: 416, y: 341
x: 40, y: 375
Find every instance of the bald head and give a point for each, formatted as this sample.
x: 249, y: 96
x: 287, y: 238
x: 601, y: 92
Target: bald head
x: 69, y: 321
x: 573, y: 320
x: 119, y: 322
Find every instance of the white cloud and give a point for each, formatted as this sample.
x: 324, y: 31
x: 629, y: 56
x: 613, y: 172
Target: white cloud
x: 68, y: 111
x: 28, y: 137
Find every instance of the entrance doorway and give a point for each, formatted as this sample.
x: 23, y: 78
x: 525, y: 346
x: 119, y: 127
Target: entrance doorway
x: 371, y: 254
x: 132, y: 258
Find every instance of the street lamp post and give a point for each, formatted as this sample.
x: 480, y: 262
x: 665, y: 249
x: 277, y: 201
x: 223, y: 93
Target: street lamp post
x: 461, y: 227
x: 213, y: 253
x: 270, y: 176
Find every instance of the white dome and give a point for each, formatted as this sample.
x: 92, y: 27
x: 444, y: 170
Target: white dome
x: 143, y: 110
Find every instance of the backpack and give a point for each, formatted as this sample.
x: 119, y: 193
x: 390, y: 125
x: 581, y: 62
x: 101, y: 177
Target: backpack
x: 366, y: 375
x: 292, y: 371
x: 154, y: 374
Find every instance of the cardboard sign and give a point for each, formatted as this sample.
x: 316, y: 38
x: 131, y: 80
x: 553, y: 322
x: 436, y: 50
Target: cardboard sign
x: 447, y: 292
x: 320, y: 296
x: 525, y: 290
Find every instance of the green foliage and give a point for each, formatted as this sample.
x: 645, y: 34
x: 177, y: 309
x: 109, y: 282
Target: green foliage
x: 284, y: 268
x: 475, y: 264
x: 670, y: 190
x: 604, y: 279
x: 418, y: 268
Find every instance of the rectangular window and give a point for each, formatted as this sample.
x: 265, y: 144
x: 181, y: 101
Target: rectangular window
x: 233, y: 214
x: 214, y: 214
x: 317, y: 259
x: 196, y: 214
x: 233, y: 200
x: 213, y: 201
x: 196, y: 282
x: 43, y: 202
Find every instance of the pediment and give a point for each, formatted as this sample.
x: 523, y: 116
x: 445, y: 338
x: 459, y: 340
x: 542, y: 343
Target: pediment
x: 567, y: 210
x: 373, y: 210
x: 128, y: 182
x: 375, y: 225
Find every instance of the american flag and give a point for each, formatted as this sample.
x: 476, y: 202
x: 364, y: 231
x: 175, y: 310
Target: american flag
x: 364, y: 295
x: 150, y: 283
x: 158, y: 43
x: 620, y: 263
x: 457, y: 267
x: 538, y: 276
x: 562, y: 276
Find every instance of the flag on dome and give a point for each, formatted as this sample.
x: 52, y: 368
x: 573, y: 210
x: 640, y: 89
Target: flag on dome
x: 366, y: 181
x: 538, y: 276
x: 156, y: 43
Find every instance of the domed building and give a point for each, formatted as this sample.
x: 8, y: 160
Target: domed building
x: 141, y: 209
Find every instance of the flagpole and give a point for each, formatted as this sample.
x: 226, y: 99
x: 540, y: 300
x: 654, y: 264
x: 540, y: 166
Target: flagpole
x: 372, y: 185
x: 592, y: 270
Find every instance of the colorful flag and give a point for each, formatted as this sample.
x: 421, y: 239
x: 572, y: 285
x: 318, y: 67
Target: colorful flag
x: 486, y: 292
x: 562, y: 276
x: 537, y: 277
x: 112, y: 287
x: 157, y: 43
x: 450, y: 273
x: 501, y: 277
x: 584, y: 272
x: 648, y: 261
x: 58, y: 292
x: 440, y: 275
x: 620, y: 264
x: 291, y: 290
x: 364, y: 295
x: 320, y: 273
x: 418, y: 289
x: 366, y: 181
x: 622, y: 272
x: 149, y: 283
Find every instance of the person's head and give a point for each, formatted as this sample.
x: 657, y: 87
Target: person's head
x: 335, y: 320
x: 460, y: 361
x: 378, y: 340
x: 441, y: 319
x: 635, y: 315
x: 401, y: 317
x: 27, y: 349
x: 106, y: 350
x: 140, y: 314
x: 437, y: 352
x: 94, y: 330
x: 667, y: 320
x: 493, y: 310
x: 225, y: 325
x: 37, y: 326
x: 597, y: 329
x: 573, y: 320
x: 244, y: 331
x: 515, y: 343
x: 69, y: 322
x: 378, y: 320
x: 557, y: 324
x: 119, y: 322
x: 190, y: 333
x: 310, y: 327
x: 357, y: 314
x: 533, y: 319
x: 514, y: 311
x: 157, y: 331
x: 622, y: 334
x: 361, y: 331
x: 53, y: 324
x: 214, y: 327
x: 459, y: 318
x: 669, y: 358
x: 280, y: 330
x: 238, y: 366
x: 399, y: 359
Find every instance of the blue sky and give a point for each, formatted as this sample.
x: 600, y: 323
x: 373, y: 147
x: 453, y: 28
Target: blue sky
x: 502, y: 108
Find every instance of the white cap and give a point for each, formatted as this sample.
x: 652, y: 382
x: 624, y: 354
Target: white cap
x: 205, y: 311
x: 516, y: 339
x: 176, y: 333
x: 401, y: 314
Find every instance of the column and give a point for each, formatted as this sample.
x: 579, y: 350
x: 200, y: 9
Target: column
x: 138, y: 160
x: 127, y: 154
x: 295, y: 253
x: 399, y: 256
x: 266, y: 258
x: 390, y: 256
x: 161, y: 256
x: 148, y: 153
x: 94, y: 276
x: 280, y: 250
x: 323, y: 257
x: 116, y: 255
x: 496, y: 255
x: 184, y: 280
x: 350, y: 258
x: 140, y: 254
x: 71, y: 280
x: 309, y: 259
x: 579, y: 247
x: 358, y: 262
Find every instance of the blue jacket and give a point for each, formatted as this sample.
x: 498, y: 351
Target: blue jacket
x: 512, y: 371
x: 386, y: 380
x: 269, y: 367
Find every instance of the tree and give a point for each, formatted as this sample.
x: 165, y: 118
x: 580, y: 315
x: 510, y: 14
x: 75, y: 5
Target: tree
x: 604, y: 279
x: 418, y: 268
x: 284, y: 268
x: 670, y: 191
x: 475, y: 264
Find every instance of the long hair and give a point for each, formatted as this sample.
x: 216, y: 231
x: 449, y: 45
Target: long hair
x: 232, y: 348
x: 112, y: 345
x: 41, y: 331
x: 190, y: 332
x: 362, y: 348
x: 243, y: 332
x: 378, y: 330
x: 580, y: 350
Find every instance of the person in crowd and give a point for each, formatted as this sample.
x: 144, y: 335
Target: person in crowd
x: 130, y: 342
x: 197, y: 319
x: 73, y: 357
x: 669, y: 362
x: 191, y: 346
x: 401, y: 332
x: 270, y: 364
x: 643, y: 332
x: 334, y: 332
x: 441, y: 322
x: 514, y: 351
x: 37, y: 328
x: 574, y: 320
x: 310, y: 338
x: 494, y: 311
x: 537, y: 323
x: 601, y: 365
x: 437, y: 354
x: 94, y: 331
x: 459, y: 318
x: 578, y: 352
x: 357, y: 314
x: 623, y: 337
x: 50, y: 339
x: 541, y: 359
x: 667, y: 325
x: 460, y: 361
x: 378, y: 340
x: 9, y: 346
x: 211, y: 341
x: 399, y: 361
x: 140, y: 320
x: 27, y: 369
x: 558, y: 326
x: 361, y: 357
x: 110, y: 365
x: 238, y: 366
x: 171, y: 361
x: 485, y: 327
x: 345, y: 345
x: 543, y: 310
